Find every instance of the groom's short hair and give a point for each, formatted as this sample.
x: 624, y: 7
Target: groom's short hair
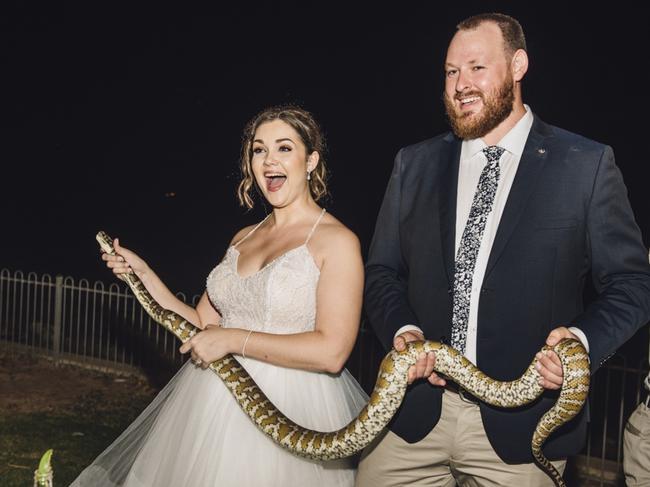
x: 511, y: 30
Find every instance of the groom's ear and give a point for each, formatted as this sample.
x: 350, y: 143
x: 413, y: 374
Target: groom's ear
x: 312, y: 161
x: 519, y: 65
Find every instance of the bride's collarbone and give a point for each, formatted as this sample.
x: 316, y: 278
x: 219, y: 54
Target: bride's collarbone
x: 267, y: 245
x: 254, y: 257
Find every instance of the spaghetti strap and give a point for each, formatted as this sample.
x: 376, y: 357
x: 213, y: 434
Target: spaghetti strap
x: 315, y: 225
x: 254, y: 228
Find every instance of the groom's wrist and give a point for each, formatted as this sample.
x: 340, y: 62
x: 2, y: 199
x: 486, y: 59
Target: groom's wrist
x: 409, y: 327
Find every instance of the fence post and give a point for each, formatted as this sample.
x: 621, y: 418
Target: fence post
x: 58, y: 311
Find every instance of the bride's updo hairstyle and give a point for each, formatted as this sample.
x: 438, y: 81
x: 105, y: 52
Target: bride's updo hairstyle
x: 311, y: 136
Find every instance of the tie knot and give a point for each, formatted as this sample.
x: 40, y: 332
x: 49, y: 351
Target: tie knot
x: 493, y: 152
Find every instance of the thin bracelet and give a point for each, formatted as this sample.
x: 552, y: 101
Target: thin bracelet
x: 243, y: 348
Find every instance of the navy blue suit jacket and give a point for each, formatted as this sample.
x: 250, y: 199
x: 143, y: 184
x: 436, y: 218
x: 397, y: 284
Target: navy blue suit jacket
x: 567, y: 215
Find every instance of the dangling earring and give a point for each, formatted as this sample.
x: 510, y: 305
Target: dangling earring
x: 308, y: 176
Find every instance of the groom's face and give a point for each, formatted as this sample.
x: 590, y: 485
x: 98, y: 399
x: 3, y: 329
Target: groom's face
x: 479, y: 87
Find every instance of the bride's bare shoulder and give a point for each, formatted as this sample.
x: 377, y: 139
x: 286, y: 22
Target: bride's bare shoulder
x: 332, y: 235
x: 242, y: 233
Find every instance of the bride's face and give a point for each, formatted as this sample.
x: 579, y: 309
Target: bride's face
x: 280, y: 163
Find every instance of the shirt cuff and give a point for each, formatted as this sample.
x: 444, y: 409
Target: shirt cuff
x: 408, y: 328
x: 581, y: 335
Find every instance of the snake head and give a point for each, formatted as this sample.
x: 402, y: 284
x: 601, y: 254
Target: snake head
x: 105, y: 242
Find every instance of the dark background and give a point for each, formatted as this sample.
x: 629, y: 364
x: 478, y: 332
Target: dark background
x: 109, y: 107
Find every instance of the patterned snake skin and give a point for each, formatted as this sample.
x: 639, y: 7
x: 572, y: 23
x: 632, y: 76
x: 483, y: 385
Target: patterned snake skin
x: 389, y: 389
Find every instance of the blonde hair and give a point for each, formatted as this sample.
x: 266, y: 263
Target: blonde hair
x: 311, y: 136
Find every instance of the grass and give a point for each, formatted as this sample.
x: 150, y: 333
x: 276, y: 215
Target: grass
x: 77, y: 437
x: 26, y: 437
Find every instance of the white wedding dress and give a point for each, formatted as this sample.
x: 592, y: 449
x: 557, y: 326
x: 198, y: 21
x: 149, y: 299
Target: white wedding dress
x: 195, y: 434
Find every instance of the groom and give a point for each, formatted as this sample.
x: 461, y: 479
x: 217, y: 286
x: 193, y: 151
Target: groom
x: 484, y: 240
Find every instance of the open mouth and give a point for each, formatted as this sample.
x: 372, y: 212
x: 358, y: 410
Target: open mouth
x: 274, y: 181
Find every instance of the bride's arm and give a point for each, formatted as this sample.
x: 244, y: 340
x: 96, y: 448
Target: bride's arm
x: 128, y: 261
x: 338, y: 310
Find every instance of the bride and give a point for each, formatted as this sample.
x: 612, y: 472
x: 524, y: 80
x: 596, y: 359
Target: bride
x: 286, y: 299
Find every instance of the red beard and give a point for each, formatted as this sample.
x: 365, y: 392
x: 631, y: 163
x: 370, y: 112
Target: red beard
x: 496, y: 108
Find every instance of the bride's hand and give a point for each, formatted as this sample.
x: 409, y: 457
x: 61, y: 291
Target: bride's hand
x: 208, y: 345
x: 125, y: 261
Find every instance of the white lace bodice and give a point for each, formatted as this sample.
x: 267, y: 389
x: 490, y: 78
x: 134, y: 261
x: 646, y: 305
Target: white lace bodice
x: 279, y: 298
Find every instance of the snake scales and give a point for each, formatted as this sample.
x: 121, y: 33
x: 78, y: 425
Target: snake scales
x: 389, y: 389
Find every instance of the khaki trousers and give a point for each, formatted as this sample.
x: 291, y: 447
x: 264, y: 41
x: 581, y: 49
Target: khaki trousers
x: 456, y: 451
x: 636, y: 448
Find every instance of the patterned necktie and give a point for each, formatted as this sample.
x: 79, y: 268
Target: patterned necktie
x: 470, y: 244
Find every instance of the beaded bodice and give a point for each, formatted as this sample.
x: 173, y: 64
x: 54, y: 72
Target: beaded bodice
x: 278, y: 298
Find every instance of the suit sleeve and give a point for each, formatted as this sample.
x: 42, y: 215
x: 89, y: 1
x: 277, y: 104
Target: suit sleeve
x: 386, y: 290
x: 619, y: 264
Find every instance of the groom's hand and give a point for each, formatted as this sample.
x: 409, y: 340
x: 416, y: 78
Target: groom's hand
x: 423, y: 368
x: 548, y: 364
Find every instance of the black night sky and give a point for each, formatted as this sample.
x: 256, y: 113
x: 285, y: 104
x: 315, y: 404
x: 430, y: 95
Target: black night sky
x: 108, y: 107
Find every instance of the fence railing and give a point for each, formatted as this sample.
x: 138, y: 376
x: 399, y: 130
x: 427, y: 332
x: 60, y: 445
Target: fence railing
x: 59, y: 316
x: 616, y: 390
x: 106, y: 324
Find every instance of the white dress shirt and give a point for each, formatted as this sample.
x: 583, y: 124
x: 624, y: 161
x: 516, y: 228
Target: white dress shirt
x: 472, y: 162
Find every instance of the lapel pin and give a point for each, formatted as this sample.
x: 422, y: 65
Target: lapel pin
x: 541, y: 151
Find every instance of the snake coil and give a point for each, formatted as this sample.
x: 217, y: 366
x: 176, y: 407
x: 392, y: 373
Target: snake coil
x: 389, y: 389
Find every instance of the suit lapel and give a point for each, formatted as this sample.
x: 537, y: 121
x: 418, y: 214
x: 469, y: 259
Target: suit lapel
x: 447, y: 204
x: 530, y: 166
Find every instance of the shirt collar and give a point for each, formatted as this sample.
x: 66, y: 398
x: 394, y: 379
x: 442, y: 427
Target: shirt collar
x: 514, y: 141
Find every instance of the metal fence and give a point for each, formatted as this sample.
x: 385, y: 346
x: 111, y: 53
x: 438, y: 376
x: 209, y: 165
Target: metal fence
x: 96, y: 322
x: 616, y: 390
x: 106, y: 325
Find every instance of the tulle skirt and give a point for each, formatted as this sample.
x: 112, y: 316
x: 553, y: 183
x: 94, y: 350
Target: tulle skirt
x: 195, y: 434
